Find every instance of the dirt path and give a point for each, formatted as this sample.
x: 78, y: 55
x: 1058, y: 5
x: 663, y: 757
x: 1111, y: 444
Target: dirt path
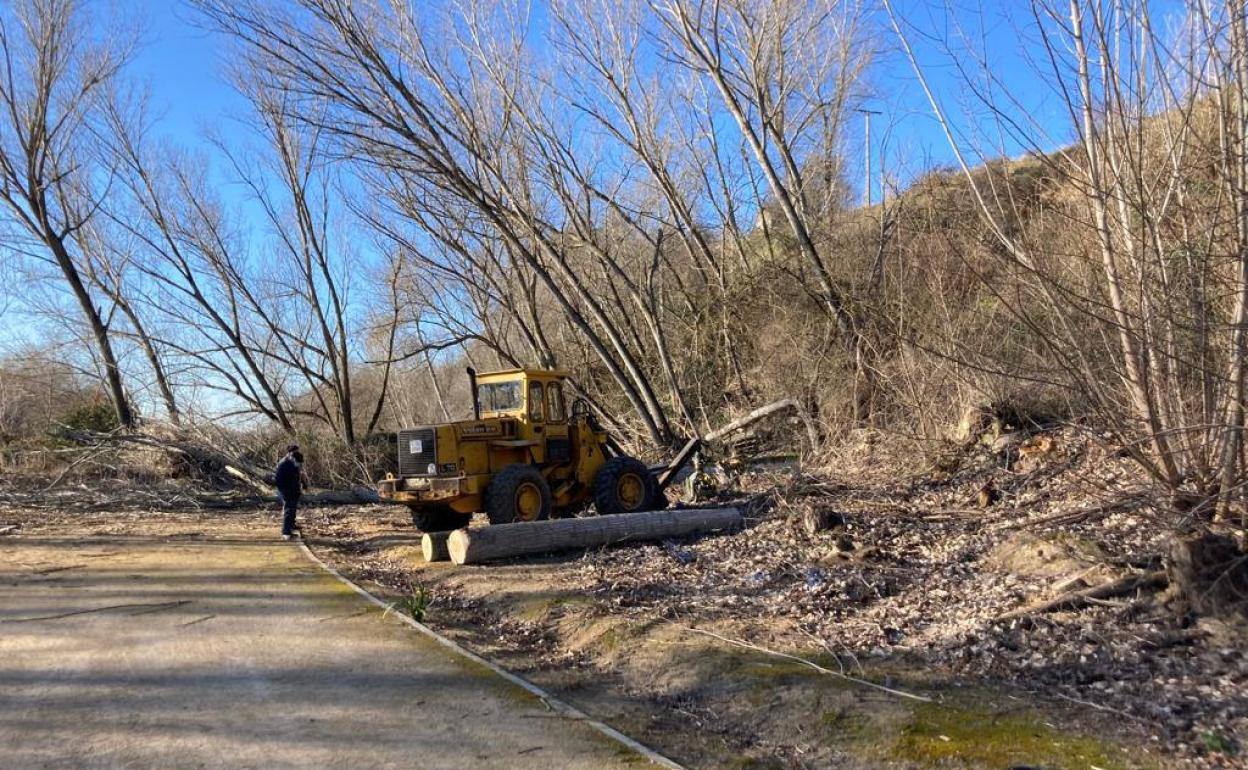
x: 144, y: 652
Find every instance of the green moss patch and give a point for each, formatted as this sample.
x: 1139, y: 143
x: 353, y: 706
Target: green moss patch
x: 951, y: 736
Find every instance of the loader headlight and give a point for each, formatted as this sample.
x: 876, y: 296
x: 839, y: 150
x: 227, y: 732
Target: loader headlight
x: 432, y: 470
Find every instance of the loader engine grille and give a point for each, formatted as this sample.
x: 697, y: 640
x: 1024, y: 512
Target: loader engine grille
x: 416, y: 451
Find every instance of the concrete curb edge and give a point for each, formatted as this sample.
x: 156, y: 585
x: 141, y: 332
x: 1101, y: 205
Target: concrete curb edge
x: 556, y: 705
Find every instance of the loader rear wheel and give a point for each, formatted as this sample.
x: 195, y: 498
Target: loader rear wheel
x: 624, y: 485
x: 439, y: 519
x: 517, y: 493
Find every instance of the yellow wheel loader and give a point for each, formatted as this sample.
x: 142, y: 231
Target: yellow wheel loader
x: 524, y: 456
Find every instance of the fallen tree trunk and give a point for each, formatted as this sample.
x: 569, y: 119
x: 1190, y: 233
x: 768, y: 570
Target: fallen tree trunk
x: 812, y: 434
x: 354, y: 495
x: 1082, y: 596
x: 433, y: 546
x: 472, y: 546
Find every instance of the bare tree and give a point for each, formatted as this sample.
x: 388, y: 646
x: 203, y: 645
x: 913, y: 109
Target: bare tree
x: 56, y: 67
x: 408, y: 110
x: 1141, y: 299
x: 108, y: 268
x: 299, y: 210
x: 786, y: 74
x: 199, y: 277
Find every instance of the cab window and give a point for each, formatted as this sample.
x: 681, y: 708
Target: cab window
x: 499, y: 396
x: 554, y: 398
x: 536, y: 402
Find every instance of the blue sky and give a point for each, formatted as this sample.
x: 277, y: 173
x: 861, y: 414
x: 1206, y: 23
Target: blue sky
x: 957, y: 40
x: 183, y: 65
x: 1005, y: 39
x: 908, y: 134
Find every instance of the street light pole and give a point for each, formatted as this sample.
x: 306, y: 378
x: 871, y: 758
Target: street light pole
x: 866, y: 115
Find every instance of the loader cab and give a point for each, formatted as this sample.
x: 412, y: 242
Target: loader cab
x: 535, y: 399
x: 533, y: 396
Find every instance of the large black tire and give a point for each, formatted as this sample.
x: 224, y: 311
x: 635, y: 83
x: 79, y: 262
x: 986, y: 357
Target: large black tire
x: 439, y: 519
x: 624, y: 485
x: 517, y: 493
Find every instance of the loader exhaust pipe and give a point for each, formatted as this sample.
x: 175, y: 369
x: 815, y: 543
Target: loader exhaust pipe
x: 476, y: 399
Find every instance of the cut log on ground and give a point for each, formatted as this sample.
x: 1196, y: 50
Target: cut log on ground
x: 433, y: 546
x: 353, y: 496
x: 502, y: 541
x: 1084, y: 595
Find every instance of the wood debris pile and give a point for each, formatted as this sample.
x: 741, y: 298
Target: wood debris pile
x: 916, y: 573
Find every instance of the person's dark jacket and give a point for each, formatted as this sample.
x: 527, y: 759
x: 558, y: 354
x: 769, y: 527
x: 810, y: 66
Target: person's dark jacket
x: 287, y: 477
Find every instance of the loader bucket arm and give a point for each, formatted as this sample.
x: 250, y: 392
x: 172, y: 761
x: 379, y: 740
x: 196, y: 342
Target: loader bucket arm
x: 668, y: 472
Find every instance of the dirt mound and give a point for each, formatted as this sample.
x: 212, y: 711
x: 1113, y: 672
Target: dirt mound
x: 1052, y: 563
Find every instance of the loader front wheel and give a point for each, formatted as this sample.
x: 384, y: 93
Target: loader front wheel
x: 439, y: 519
x: 518, y: 493
x: 624, y: 485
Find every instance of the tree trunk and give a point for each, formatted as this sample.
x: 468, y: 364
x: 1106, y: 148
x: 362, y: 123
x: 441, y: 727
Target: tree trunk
x: 153, y: 360
x: 472, y: 546
x: 103, y: 343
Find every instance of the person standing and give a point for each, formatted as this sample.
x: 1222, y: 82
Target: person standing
x: 288, y: 477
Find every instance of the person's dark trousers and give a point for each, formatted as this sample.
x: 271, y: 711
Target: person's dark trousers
x: 289, y: 504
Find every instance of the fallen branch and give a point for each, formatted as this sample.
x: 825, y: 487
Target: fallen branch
x: 809, y: 664
x: 1078, y: 516
x: 812, y: 434
x: 1083, y: 596
x: 50, y: 570
x: 89, y: 454
x: 256, y: 478
x: 1103, y: 707
x: 197, y: 620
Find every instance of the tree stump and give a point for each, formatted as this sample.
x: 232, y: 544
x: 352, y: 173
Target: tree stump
x: 987, y: 495
x: 816, y: 520
x: 1209, y: 574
